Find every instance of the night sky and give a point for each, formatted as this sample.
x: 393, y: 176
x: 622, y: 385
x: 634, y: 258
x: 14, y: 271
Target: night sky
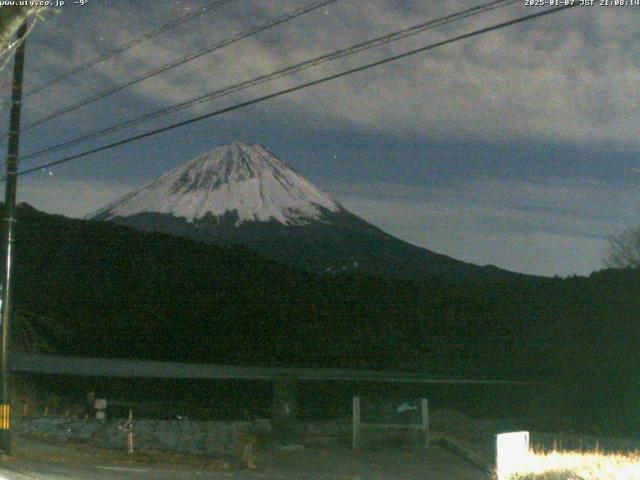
x: 518, y: 148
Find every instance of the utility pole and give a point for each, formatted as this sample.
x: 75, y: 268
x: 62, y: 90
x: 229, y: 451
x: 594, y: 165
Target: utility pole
x: 6, y: 308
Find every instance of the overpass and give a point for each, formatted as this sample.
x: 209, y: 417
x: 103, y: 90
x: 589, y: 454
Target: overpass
x: 284, y: 379
x: 127, y: 368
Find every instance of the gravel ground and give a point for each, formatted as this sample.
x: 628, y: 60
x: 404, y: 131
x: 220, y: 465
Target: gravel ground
x: 53, y: 462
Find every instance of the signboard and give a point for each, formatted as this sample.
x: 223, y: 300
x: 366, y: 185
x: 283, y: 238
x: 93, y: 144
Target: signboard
x: 512, y: 450
x: 386, y: 414
x: 100, y: 403
x: 397, y: 411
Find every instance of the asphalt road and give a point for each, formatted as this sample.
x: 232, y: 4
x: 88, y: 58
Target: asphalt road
x: 436, y: 463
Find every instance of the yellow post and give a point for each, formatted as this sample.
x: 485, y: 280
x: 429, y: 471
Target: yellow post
x: 5, y: 417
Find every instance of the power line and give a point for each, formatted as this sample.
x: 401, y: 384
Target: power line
x: 300, y: 87
x: 123, y: 48
x: 181, y: 61
x: 375, y: 42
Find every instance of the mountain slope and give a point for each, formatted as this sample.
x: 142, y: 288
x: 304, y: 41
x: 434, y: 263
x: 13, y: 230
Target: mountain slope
x: 99, y: 289
x: 243, y: 194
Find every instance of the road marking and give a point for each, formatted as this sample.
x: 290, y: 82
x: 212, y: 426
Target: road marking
x: 122, y: 469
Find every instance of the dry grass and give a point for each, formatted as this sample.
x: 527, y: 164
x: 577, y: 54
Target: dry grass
x: 27, y: 448
x: 580, y: 466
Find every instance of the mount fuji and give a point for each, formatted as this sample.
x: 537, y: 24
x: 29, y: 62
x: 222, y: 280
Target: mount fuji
x: 241, y: 193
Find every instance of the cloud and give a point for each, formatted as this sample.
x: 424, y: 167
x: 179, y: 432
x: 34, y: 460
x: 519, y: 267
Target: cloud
x: 569, y: 77
x: 67, y: 197
x: 541, y: 226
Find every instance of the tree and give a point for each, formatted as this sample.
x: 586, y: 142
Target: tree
x: 10, y: 19
x: 624, y: 249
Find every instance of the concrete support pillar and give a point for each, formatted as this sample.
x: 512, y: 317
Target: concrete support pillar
x: 284, y: 414
x: 356, y: 423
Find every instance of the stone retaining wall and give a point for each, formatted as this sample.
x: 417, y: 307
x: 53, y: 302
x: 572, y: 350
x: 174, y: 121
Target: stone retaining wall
x: 182, y: 436
x: 210, y: 438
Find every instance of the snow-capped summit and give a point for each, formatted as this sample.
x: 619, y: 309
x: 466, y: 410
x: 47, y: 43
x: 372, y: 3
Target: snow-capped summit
x: 241, y: 179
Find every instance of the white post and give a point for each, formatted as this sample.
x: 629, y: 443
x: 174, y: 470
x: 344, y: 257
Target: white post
x: 356, y: 422
x: 130, y: 433
x: 425, y: 421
